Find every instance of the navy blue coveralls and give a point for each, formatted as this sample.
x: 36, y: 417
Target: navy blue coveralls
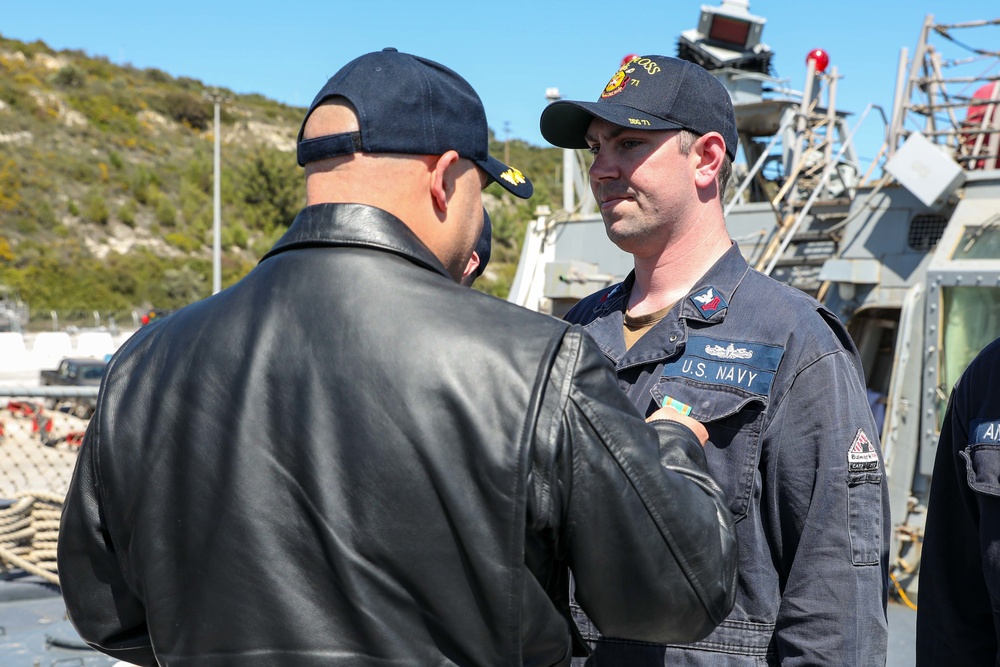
x: 779, y: 385
x: 958, y: 616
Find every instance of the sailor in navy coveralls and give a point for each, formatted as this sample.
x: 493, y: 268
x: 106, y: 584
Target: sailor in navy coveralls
x: 958, y: 620
x: 771, y: 373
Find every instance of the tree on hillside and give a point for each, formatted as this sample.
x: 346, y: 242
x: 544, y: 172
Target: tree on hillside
x: 269, y: 189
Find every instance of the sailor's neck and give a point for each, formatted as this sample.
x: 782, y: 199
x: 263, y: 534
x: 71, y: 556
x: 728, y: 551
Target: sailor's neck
x: 666, y: 278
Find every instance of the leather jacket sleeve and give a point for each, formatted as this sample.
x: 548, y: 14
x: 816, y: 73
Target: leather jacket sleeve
x: 645, y: 529
x: 99, y: 600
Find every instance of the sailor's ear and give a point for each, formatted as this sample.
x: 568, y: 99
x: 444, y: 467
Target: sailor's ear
x: 709, y: 152
x: 443, y: 175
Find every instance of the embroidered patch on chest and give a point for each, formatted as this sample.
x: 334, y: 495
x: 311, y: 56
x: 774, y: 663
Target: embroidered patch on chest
x: 709, y: 301
x: 862, y: 457
x: 985, y: 432
x: 748, y: 366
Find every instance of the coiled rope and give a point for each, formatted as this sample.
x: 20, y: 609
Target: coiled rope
x: 29, y: 530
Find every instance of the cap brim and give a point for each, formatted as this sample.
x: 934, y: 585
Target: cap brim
x: 510, y: 179
x: 564, y: 123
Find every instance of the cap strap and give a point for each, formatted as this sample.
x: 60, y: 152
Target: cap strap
x: 321, y: 148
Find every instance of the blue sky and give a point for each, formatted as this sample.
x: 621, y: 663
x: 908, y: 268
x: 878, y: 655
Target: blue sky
x: 510, y: 51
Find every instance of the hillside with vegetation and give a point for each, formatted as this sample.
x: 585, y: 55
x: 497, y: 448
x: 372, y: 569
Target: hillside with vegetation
x: 106, y: 185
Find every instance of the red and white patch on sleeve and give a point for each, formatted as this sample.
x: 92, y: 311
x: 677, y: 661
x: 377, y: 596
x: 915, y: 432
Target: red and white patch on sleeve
x: 862, y: 457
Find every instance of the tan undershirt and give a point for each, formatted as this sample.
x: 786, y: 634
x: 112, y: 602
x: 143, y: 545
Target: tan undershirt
x: 636, y: 327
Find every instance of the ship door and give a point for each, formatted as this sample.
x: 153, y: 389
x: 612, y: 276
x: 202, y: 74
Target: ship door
x: 874, y: 331
x: 963, y: 316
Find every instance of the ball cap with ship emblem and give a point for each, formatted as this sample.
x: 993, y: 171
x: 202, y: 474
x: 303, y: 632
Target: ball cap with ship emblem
x: 407, y: 104
x: 648, y: 93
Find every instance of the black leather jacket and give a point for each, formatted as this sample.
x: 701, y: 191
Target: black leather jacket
x: 347, y: 458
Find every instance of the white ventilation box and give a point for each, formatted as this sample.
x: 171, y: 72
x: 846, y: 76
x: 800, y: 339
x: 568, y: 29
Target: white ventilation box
x: 925, y: 170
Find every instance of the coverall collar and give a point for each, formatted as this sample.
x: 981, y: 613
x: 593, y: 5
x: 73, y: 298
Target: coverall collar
x: 706, y: 303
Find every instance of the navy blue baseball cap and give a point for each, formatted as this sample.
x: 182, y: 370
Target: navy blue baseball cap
x: 408, y: 104
x: 648, y: 93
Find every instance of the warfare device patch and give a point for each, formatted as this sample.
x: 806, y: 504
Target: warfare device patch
x: 729, y: 352
x: 862, y: 457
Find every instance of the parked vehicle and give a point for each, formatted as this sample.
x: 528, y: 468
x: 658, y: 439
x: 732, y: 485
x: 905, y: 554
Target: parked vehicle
x: 75, y: 372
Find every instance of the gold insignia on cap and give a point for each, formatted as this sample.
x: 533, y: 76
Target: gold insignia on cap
x: 620, y: 78
x: 617, y: 80
x: 513, y: 176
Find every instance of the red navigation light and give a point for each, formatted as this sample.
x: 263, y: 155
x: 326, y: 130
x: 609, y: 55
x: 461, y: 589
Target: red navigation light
x: 820, y: 57
x: 627, y: 59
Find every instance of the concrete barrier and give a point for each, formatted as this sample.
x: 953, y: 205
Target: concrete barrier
x: 94, y: 344
x: 49, y: 347
x: 13, y: 354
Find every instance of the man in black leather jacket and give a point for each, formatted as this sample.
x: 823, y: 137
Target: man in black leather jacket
x: 347, y: 458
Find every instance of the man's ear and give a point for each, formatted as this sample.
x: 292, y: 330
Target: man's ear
x: 469, y: 275
x: 443, y: 177
x: 710, y: 151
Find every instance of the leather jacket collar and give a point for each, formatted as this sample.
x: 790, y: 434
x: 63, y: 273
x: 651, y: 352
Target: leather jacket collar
x: 355, y: 225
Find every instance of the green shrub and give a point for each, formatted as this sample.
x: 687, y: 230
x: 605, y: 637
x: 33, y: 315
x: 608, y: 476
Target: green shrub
x: 42, y: 211
x: 16, y: 96
x: 81, y: 170
x: 111, y: 114
x: 200, y: 173
x: 193, y: 201
x: 185, y: 284
x: 263, y: 243
x: 166, y: 214
x: 234, y: 235
x: 182, y: 242
x: 158, y: 75
x: 126, y: 213
x: 143, y: 184
x: 101, y: 68
x: 69, y: 77
x: 36, y: 47
x: 95, y: 208
x: 11, y: 182
x: 187, y: 109
x: 25, y: 225
x: 27, y: 79
x: 269, y: 190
